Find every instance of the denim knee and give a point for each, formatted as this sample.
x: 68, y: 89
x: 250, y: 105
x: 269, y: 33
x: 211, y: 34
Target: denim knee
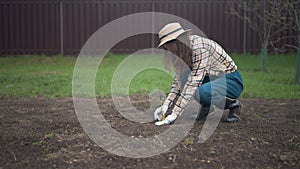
x: 204, y: 97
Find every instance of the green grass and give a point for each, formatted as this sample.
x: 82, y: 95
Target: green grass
x: 33, y: 76
x: 145, y: 81
x: 36, y: 76
x: 276, y: 84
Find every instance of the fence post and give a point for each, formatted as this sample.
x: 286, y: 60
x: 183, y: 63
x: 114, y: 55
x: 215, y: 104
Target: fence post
x: 61, y: 29
x: 153, y: 26
x: 245, y: 28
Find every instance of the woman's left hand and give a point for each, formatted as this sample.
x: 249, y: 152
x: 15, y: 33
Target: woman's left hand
x: 169, y: 119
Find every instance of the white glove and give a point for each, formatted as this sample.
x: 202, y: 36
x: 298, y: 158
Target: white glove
x: 159, y: 112
x: 169, y: 120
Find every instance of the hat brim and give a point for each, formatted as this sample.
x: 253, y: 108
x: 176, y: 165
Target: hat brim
x: 167, y: 39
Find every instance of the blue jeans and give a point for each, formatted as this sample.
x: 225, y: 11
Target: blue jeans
x: 214, y: 89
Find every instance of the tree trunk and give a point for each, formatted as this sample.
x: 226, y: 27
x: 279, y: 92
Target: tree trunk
x: 297, y: 78
x: 297, y: 74
x: 263, y: 57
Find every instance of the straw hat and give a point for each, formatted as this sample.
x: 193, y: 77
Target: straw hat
x: 170, y: 32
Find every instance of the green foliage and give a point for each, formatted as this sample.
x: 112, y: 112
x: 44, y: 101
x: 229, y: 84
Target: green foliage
x: 52, y: 77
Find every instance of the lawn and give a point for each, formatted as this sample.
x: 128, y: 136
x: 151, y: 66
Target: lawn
x: 276, y: 84
x: 52, y: 76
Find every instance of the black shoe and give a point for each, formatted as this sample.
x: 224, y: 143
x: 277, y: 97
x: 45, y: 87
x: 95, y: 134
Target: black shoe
x: 203, y: 113
x: 234, y: 107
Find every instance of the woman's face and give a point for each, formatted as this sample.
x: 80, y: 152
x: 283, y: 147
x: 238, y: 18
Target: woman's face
x: 171, y: 47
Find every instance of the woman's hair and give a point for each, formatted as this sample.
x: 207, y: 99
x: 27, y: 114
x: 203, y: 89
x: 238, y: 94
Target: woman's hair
x: 184, y: 53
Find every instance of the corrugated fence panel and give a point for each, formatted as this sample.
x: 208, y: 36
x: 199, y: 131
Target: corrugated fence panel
x: 29, y: 27
x: 136, y: 42
x: 63, y: 26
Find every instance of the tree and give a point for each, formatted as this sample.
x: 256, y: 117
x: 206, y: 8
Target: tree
x: 267, y: 17
x: 295, y: 15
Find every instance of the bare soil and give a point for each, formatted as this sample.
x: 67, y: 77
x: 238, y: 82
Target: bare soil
x: 45, y: 133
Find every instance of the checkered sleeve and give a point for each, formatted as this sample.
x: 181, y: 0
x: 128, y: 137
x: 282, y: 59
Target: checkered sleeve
x: 174, y: 92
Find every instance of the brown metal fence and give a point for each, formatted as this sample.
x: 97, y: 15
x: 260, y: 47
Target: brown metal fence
x: 62, y: 26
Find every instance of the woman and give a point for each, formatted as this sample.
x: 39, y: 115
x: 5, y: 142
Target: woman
x: 207, y: 65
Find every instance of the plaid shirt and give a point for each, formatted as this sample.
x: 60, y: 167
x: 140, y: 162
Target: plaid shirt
x: 209, y: 58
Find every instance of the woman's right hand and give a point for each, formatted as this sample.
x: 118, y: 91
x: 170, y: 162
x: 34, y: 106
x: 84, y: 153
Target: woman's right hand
x: 160, y: 112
